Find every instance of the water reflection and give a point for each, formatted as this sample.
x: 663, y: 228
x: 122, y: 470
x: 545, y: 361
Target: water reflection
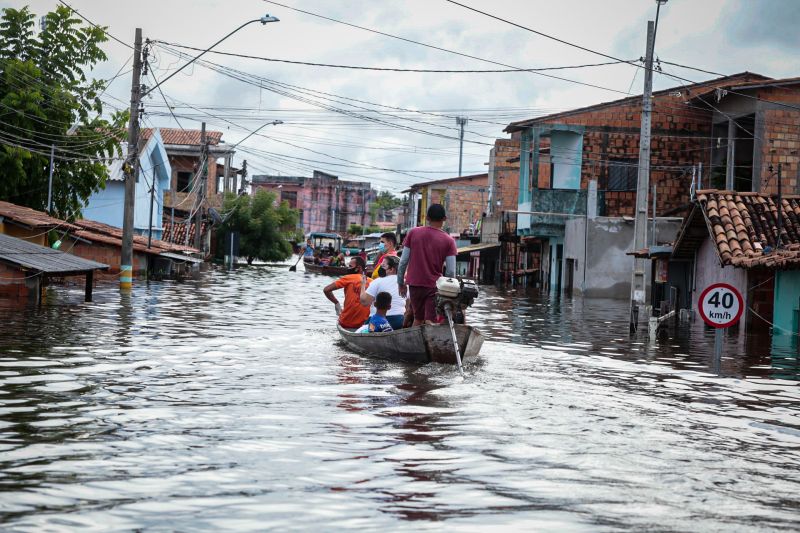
x: 227, y: 402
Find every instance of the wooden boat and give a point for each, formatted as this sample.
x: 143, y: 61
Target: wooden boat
x: 329, y: 270
x: 325, y: 269
x: 421, y: 344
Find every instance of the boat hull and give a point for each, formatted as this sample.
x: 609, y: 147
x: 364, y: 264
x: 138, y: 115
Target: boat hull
x: 329, y: 270
x: 325, y: 270
x: 421, y: 344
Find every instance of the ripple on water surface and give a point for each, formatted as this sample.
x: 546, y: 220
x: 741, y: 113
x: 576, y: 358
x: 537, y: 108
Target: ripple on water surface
x: 228, y: 403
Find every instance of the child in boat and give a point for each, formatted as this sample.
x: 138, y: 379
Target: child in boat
x: 378, y: 322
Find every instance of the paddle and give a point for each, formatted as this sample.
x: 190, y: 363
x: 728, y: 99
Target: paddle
x: 293, y: 268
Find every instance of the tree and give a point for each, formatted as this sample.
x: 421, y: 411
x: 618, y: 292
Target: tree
x: 47, y: 100
x: 265, y: 230
x: 387, y: 201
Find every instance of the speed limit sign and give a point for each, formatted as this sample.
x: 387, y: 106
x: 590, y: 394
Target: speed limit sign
x: 720, y: 305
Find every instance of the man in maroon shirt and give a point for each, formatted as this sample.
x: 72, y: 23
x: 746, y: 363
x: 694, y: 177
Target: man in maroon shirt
x: 426, y: 250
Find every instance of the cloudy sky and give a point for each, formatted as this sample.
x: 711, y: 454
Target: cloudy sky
x: 398, y: 128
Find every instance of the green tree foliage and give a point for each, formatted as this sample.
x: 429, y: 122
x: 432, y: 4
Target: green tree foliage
x: 387, y: 200
x: 46, y: 99
x: 265, y: 230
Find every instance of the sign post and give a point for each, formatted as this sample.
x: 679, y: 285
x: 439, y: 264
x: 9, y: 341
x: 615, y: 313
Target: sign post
x: 721, y: 306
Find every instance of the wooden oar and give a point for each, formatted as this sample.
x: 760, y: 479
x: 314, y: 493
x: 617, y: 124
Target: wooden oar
x: 293, y: 268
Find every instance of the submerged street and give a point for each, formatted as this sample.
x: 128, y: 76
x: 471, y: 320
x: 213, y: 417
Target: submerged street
x: 229, y: 402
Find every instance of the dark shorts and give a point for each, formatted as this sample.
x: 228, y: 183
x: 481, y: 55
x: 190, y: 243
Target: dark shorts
x: 423, y: 302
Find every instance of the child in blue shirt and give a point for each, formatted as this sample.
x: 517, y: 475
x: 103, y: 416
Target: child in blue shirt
x: 377, y: 322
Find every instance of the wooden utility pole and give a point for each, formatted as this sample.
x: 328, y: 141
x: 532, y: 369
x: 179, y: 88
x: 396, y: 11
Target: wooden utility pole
x: 198, y: 216
x: 131, y: 168
x: 643, y: 184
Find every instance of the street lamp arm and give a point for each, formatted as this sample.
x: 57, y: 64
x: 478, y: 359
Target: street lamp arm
x: 263, y: 20
x: 273, y: 123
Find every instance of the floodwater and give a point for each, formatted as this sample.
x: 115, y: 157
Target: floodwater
x: 227, y: 403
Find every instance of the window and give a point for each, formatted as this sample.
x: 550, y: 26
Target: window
x: 184, y: 181
x: 289, y: 197
x: 622, y: 174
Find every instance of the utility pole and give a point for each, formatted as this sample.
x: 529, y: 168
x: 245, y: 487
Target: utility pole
x: 461, y: 121
x: 198, y: 216
x: 50, y: 180
x: 150, y: 219
x: 131, y: 168
x: 244, y: 175
x: 643, y: 184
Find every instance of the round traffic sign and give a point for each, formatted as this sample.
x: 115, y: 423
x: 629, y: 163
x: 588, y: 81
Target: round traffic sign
x: 720, y: 305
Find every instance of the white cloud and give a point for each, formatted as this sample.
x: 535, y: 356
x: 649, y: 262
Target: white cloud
x: 724, y: 36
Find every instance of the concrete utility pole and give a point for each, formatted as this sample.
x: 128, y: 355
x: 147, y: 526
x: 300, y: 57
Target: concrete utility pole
x: 461, y: 121
x: 638, y: 288
x: 198, y: 215
x: 50, y: 179
x: 131, y: 168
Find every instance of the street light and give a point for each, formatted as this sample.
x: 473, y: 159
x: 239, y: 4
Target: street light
x: 263, y: 20
x: 273, y: 123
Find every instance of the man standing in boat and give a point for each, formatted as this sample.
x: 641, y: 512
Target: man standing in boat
x: 353, y: 314
x: 425, y: 250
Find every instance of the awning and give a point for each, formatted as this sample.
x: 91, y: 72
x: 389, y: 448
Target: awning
x: 478, y: 247
x: 179, y: 257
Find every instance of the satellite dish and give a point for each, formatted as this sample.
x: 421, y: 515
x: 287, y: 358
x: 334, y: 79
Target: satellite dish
x: 214, y: 215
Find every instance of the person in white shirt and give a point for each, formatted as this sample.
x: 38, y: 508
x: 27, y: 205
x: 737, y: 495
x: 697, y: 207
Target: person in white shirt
x: 386, y: 282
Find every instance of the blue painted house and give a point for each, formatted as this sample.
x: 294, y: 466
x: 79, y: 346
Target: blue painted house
x: 107, y: 204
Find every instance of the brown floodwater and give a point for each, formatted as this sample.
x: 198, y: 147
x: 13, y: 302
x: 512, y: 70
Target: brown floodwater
x: 228, y: 402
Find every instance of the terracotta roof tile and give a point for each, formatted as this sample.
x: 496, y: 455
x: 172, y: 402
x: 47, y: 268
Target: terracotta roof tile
x: 31, y: 217
x: 184, y: 137
x: 97, y: 231
x: 744, y: 228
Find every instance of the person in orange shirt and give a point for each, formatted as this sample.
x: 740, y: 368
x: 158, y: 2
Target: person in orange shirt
x: 387, y: 247
x: 353, y: 314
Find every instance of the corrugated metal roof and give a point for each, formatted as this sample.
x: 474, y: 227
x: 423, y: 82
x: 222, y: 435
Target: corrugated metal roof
x: 31, y: 256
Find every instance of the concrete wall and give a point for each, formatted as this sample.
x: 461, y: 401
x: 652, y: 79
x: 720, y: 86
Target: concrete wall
x: 601, y: 267
x: 707, y: 270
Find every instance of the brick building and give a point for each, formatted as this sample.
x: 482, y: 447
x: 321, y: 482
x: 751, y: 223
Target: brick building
x: 183, y: 148
x: 325, y: 203
x: 582, y: 165
x: 465, y: 199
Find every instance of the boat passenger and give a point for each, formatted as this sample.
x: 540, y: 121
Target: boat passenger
x: 353, y: 314
x: 308, y: 251
x: 378, y: 323
x: 425, y: 250
x: 386, y: 282
x: 386, y: 248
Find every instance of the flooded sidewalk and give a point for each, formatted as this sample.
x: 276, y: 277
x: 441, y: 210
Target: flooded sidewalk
x: 229, y: 403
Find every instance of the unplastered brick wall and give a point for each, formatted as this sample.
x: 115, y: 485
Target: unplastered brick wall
x: 680, y: 138
x: 781, y: 141
x: 506, y: 174
x: 463, y: 199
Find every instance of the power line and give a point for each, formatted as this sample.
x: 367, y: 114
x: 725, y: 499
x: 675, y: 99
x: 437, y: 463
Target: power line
x: 462, y: 54
x: 390, y: 69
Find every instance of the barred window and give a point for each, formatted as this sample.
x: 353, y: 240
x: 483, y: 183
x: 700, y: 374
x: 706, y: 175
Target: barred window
x: 622, y: 174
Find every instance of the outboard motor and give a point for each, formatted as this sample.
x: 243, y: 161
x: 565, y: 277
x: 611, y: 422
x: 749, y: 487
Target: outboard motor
x: 457, y: 294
